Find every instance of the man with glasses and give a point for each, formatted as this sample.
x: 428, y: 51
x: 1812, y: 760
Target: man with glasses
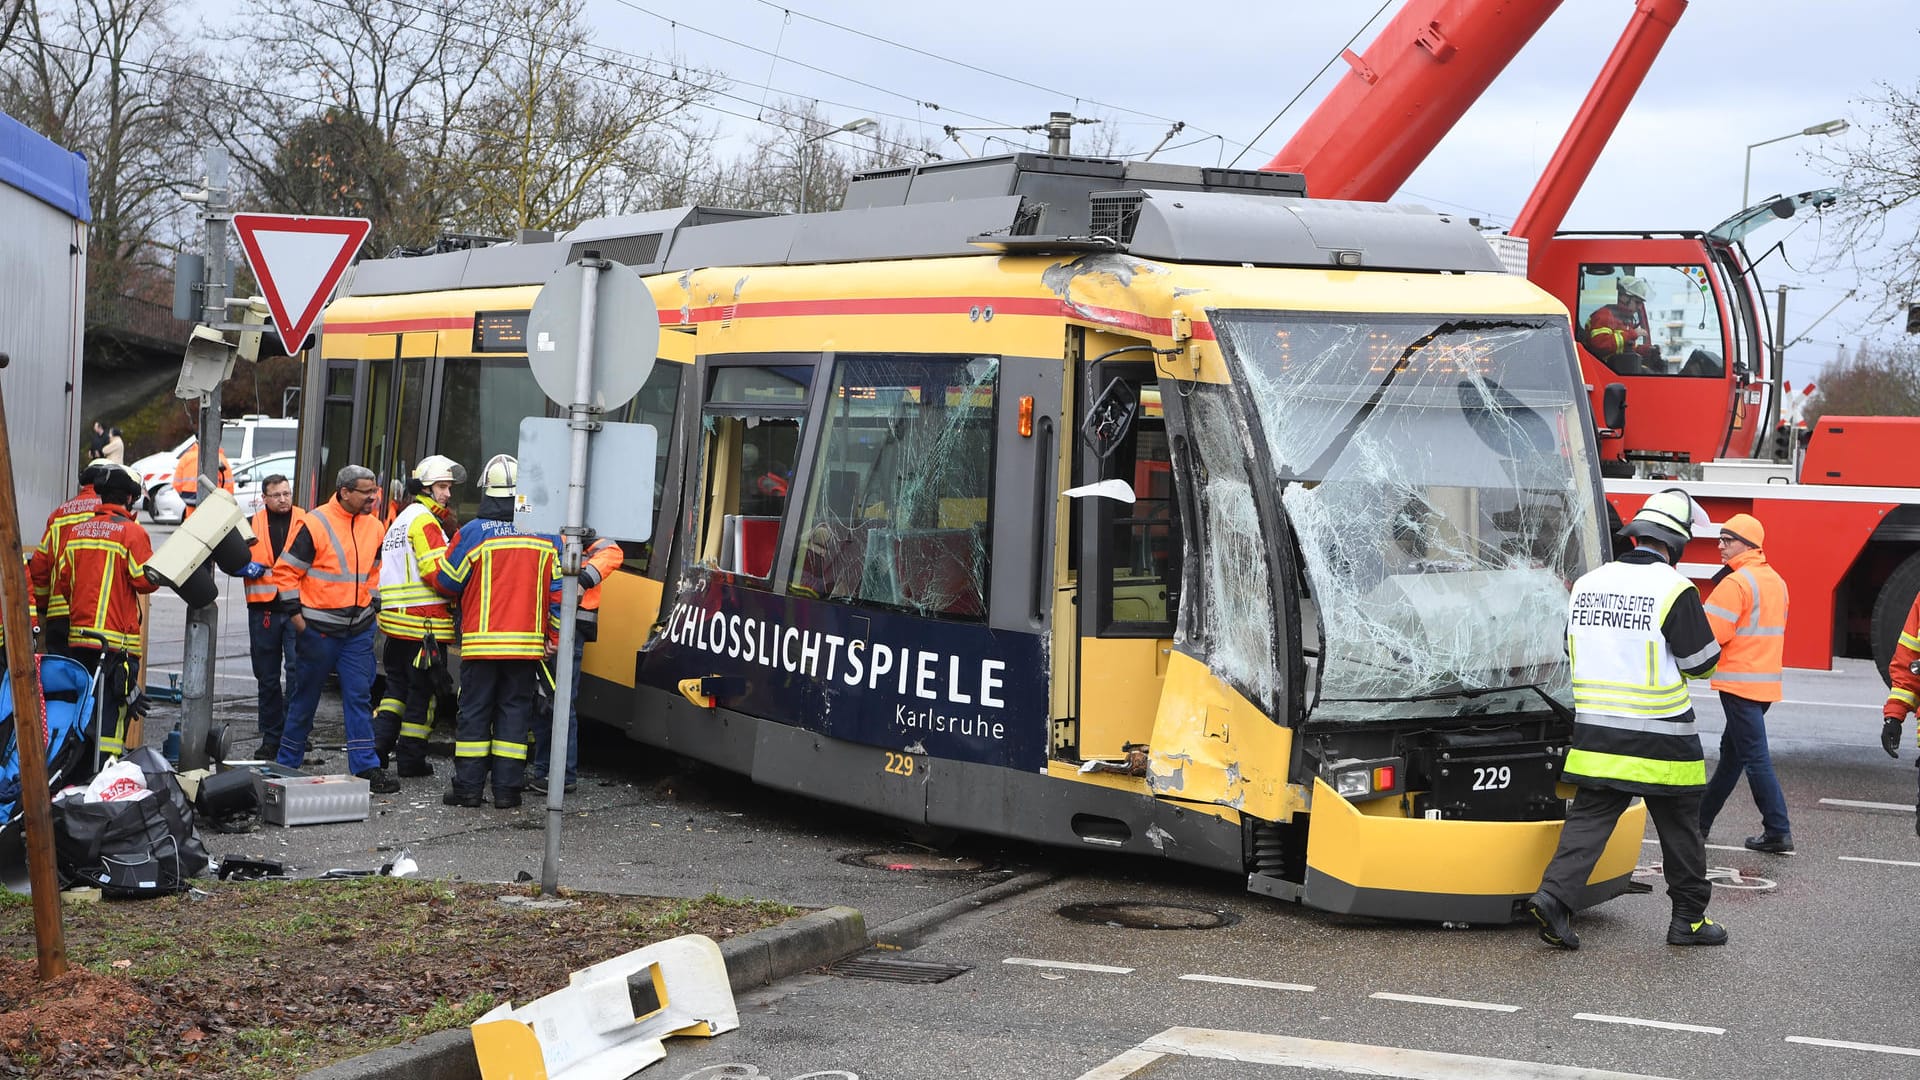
x: 271, y: 638
x: 1748, y: 613
x: 330, y: 567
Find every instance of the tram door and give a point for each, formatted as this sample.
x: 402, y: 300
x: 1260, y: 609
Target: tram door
x: 391, y: 427
x: 1130, y: 576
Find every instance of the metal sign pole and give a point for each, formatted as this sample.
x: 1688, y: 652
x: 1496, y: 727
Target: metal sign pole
x: 197, y: 666
x: 583, y: 420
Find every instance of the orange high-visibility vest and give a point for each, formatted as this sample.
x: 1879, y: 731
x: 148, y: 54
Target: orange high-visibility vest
x: 265, y: 589
x: 331, y: 563
x: 1748, y: 613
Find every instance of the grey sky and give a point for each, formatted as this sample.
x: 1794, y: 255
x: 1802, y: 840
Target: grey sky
x: 1732, y: 73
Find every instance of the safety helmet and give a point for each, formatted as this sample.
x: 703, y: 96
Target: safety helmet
x: 95, y: 469
x: 434, y: 468
x: 1635, y: 287
x: 115, y: 483
x: 1667, y: 518
x: 500, y: 475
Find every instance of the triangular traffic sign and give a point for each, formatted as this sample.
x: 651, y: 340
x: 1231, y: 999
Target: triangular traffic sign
x: 298, y: 261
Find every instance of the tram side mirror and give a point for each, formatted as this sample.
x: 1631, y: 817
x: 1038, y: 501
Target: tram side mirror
x: 1613, y: 406
x: 1117, y: 490
x: 1110, y: 418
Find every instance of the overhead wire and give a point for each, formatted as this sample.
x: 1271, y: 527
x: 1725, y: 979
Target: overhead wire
x: 1331, y: 60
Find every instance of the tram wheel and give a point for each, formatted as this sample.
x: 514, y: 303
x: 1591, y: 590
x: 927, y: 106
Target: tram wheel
x: 1890, y: 607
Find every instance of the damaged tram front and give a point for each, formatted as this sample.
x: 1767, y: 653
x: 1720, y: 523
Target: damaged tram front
x: 1211, y: 524
x: 1153, y: 509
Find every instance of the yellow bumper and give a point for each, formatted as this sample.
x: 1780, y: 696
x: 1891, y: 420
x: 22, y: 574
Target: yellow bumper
x: 1445, y: 871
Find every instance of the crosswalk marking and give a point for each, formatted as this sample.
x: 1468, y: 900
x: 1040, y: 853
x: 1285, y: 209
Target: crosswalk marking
x: 1255, y: 1048
x: 1882, y: 862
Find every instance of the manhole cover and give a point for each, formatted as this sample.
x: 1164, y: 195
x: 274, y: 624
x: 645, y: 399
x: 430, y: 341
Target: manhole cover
x: 1143, y: 915
x: 892, y: 969
x: 917, y: 862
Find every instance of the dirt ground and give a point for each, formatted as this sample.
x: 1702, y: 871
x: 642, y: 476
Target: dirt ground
x: 274, y: 978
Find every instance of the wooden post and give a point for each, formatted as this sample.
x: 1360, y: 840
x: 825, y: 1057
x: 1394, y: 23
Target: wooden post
x: 29, y: 736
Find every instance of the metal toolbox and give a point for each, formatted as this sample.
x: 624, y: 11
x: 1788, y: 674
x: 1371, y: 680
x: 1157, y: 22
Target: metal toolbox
x: 314, y: 800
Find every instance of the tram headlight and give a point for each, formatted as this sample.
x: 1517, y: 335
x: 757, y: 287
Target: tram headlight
x: 1353, y: 783
x: 1356, y: 779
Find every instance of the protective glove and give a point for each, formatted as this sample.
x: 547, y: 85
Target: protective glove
x: 254, y: 571
x: 1890, y: 735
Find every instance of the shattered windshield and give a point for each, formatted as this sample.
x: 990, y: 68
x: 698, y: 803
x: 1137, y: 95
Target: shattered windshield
x: 1437, y: 480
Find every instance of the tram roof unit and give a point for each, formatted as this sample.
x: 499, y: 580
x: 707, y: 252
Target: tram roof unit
x: 1017, y: 203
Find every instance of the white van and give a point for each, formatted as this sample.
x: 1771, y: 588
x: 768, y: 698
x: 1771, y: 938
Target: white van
x: 243, y: 438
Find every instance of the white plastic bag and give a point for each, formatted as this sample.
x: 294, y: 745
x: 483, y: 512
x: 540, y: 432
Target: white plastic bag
x: 121, y: 781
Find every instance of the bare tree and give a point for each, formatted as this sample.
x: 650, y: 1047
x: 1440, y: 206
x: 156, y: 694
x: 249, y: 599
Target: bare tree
x: 395, y: 76
x: 103, y: 77
x: 1878, y: 227
x: 1877, y: 380
x: 567, y: 131
x: 799, y: 159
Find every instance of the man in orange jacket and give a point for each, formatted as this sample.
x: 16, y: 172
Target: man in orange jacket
x: 186, y: 477
x: 502, y: 579
x: 330, y: 566
x: 1748, y: 613
x: 102, y: 572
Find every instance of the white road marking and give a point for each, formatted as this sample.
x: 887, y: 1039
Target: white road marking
x: 1224, y: 980
x: 1843, y: 1045
x: 1450, y: 1002
x: 1882, y: 862
x: 1856, y: 804
x: 1064, y: 965
x: 1732, y: 847
x: 1258, y: 1049
x: 1665, y: 1025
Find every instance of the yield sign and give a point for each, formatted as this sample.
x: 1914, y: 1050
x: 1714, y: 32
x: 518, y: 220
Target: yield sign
x: 298, y: 261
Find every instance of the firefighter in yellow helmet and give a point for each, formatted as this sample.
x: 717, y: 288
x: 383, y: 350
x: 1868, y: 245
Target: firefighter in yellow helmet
x: 412, y: 615
x: 1636, y: 632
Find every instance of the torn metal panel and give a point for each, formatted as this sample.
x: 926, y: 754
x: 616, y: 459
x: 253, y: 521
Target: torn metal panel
x: 1435, y: 477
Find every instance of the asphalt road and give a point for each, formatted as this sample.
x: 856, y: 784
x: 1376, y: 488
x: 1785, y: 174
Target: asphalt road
x: 1817, y: 981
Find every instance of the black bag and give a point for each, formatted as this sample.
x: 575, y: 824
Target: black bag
x: 142, y: 847
x: 432, y: 658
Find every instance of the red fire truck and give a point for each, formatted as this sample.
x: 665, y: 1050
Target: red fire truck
x: 1675, y: 341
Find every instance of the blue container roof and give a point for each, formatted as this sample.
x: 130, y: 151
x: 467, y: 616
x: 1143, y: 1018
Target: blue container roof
x: 42, y: 168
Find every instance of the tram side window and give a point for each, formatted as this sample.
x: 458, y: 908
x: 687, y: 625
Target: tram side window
x: 898, y: 512
x: 1141, y: 549
x: 751, y: 436
x: 655, y: 404
x: 481, y: 404
x: 336, y: 428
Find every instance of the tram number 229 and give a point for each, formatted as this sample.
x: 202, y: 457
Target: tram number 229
x: 1492, y: 778
x: 899, y: 764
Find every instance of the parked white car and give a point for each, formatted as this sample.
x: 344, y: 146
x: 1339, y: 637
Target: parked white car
x: 249, y: 478
x: 244, y: 439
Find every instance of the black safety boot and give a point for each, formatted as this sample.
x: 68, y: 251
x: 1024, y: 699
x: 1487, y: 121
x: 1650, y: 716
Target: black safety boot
x: 413, y: 768
x: 456, y: 797
x: 1556, y: 922
x: 1704, y: 931
x: 1775, y: 844
x: 506, y: 800
x: 379, y: 781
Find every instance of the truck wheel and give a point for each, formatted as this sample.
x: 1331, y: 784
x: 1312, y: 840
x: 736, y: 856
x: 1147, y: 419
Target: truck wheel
x: 1890, y: 609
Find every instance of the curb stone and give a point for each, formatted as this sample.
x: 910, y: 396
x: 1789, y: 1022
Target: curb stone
x: 753, y: 960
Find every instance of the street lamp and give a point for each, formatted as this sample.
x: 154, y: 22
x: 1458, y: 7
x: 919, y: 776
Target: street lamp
x: 865, y: 123
x: 1831, y: 127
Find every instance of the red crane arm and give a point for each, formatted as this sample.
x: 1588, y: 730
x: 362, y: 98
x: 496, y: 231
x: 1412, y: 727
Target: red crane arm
x: 1594, y: 124
x: 1397, y: 102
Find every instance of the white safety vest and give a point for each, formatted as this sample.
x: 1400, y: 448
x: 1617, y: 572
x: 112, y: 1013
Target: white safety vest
x: 1624, y: 675
x: 400, y: 584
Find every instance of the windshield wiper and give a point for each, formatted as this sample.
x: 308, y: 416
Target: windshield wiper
x: 1473, y: 692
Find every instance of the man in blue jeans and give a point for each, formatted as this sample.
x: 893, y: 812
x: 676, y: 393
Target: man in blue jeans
x: 330, y: 567
x: 271, y: 639
x: 1748, y: 613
